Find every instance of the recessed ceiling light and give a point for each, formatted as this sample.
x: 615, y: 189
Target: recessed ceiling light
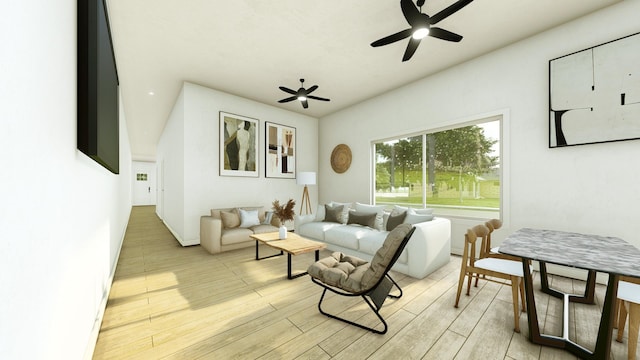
x: 151, y: 93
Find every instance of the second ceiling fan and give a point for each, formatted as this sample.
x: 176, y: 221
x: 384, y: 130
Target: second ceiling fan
x: 421, y: 26
x: 301, y: 94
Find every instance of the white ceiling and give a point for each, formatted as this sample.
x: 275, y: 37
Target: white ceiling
x: 250, y: 47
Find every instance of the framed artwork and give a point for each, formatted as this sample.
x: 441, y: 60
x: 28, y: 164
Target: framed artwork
x: 238, y: 145
x: 280, y: 151
x: 594, y: 94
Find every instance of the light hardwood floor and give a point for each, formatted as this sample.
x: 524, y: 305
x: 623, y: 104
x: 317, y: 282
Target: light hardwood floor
x: 171, y: 302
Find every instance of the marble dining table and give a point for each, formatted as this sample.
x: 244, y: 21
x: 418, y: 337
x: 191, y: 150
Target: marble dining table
x: 594, y: 253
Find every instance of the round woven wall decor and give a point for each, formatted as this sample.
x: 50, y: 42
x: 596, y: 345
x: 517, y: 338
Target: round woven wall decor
x: 341, y: 158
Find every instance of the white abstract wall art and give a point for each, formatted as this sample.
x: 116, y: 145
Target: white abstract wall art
x: 594, y: 94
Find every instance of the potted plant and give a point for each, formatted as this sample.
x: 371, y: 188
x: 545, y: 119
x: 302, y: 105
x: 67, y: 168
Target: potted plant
x: 284, y: 213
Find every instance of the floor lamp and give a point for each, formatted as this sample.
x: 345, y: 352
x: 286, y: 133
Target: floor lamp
x: 306, y: 178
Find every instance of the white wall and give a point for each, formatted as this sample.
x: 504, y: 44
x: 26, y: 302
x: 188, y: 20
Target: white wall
x: 170, y: 156
x: 590, y: 189
x: 203, y: 188
x: 62, y: 216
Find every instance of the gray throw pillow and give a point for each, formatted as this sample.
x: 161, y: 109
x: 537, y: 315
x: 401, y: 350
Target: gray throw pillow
x: 364, y: 219
x: 333, y: 213
x: 395, y: 220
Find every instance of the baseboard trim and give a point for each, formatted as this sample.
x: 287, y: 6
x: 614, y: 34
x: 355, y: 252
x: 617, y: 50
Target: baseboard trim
x: 97, y: 324
x: 182, y: 242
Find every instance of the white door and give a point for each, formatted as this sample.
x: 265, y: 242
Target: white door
x: 144, y: 183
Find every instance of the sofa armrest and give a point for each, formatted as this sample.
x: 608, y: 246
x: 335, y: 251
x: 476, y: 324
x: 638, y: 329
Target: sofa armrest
x: 429, y: 247
x: 299, y: 220
x: 210, y: 234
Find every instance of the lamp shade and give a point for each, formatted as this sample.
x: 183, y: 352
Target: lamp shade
x: 306, y: 178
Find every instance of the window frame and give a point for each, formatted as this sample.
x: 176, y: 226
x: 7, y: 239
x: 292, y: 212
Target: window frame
x: 502, y: 116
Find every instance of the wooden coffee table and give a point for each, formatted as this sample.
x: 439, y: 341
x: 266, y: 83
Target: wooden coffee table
x: 294, y: 244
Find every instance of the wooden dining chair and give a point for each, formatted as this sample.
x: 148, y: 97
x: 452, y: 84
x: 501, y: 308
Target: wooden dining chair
x: 487, y: 250
x: 494, y: 269
x: 629, y: 303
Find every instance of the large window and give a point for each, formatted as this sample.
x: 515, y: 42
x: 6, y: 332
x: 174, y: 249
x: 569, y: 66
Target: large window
x: 456, y: 171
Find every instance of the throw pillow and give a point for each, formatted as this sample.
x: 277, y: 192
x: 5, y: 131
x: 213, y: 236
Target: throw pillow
x: 230, y: 219
x: 345, y: 211
x: 364, y: 219
x: 398, y: 209
x: 376, y: 209
x: 416, y: 218
x: 333, y: 213
x: 248, y: 218
x: 395, y: 220
x: 267, y: 218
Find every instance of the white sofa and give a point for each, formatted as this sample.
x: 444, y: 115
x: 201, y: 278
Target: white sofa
x: 428, y: 249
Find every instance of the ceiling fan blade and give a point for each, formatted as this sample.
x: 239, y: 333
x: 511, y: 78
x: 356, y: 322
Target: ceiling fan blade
x: 411, y: 49
x: 288, y: 99
x: 312, y: 89
x: 448, y: 11
x: 293, y: 92
x: 444, y: 34
x: 392, y: 38
x: 305, y: 104
x: 411, y: 12
x: 317, y: 98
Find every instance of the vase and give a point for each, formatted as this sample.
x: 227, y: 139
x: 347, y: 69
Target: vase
x: 283, y: 232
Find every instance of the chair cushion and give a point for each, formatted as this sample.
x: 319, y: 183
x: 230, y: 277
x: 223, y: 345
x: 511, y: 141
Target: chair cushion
x: 341, y: 271
x: 374, y: 240
x: 629, y: 292
x: 382, y: 259
x: 500, y: 265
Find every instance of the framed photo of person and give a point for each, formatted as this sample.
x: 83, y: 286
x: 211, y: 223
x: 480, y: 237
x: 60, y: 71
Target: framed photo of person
x: 238, y: 145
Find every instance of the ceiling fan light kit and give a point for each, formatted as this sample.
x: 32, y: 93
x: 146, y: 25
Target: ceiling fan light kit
x: 421, y: 26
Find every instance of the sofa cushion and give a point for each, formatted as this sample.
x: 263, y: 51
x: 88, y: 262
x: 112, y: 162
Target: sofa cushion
x: 416, y: 218
x: 347, y: 236
x: 230, y: 219
x: 268, y: 216
x: 315, y: 230
x: 234, y: 236
x: 398, y: 209
x: 395, y: 220
x: 376, y: 209
x: 364, y: 219
x: 262, y: 228
x: 333, y: 213
x: 373, y: 242
x: 320, y: 213
x: 345, y: 210
x: 248, y: 218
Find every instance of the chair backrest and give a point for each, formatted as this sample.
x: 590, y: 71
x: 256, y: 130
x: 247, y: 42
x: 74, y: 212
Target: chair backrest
x: 493, y: 224
x: 387, y: 255
x: 470, y: 239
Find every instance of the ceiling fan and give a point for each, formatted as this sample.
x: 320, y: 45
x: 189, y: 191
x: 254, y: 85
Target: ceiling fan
x: 302, y: 94
x: 421, y: 26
